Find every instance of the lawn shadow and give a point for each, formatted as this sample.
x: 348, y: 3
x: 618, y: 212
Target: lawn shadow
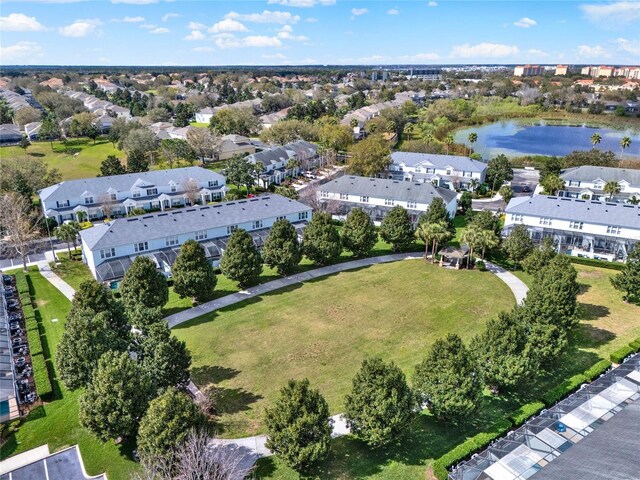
x: 9, y: 447
x: 212, y: 374
x: 589, y: 311
x: 36, y: 414
x: 234, y: 400
x: 588, y: 336
x: 583, y: 288
x: 36, y: 154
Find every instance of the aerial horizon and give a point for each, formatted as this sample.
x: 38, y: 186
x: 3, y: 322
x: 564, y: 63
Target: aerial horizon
x: 316, y: 32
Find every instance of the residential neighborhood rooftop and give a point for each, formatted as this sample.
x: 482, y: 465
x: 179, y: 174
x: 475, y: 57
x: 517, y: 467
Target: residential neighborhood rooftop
x: 461, y: 163
x: 589, y: 173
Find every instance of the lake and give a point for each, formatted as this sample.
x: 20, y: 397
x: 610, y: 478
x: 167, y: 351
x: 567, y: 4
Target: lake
x: 514, y: 139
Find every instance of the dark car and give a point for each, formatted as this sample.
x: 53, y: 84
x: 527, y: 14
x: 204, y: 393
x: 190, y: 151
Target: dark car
x: 526, y: 188
x: 8, y: 292
x: 7, y: 279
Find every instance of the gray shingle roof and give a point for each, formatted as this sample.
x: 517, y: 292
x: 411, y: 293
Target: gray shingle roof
x: 272, y: 155
x: 589, y: 173
x: 412, y: 159
x: 386, y: 188
x: 99, y: 185
x: 125, y: 231
x: 587, y: 211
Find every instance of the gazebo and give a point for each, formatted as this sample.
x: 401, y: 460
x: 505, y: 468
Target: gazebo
x: 454, y: 257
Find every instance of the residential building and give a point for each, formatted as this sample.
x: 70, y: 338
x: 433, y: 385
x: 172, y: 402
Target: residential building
x: 14, y: 100
x: 118, y: 195
x: 276, y: 161
x: 561, y: 70
x: 31, y: 130
x: 231, y: 145
x: 581, y: 228
x: 110, y: 248
x: 595, y: 71
x: 528, y: 70
x: 376, y: 196
x: 10, y: 133
x: 449, y: 171
x: 39, y: 464
x: 587, y: 182
x: 204, y: 115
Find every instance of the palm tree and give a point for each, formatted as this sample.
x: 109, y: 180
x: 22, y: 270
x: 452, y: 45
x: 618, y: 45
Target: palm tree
x: 67, y: 232
x: 488, y: 239
x: 434, y: 233
x: 552, y: 183
x: 506, y: 192
x: 625, y: 142
x: 473, y: 184
x: 473, y: 138
x: 611, y: 188
x: 448, y: 141
x: 292, y: 164
x: 595, y: 139
x: 409, y: 130
x: 634, y: 200
x: 473, y: 237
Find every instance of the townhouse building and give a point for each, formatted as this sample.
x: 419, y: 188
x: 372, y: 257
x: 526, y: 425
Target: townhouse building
x: 581, y: 228
x: 118, y: 195
x: 277, y: 161
x: 448, y: 171
x: 376, y: 196
x: 110, y: 248
x: 587, y: 182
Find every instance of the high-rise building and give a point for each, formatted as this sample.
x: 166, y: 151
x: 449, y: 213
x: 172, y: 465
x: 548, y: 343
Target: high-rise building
x: 561, y: 70
x: 528, y: 70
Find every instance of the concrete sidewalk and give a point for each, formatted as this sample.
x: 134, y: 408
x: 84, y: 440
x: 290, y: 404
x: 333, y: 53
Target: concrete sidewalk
x: 516, y: 285
x: 55, y: 280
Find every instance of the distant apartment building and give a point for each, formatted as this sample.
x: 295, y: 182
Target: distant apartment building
x: 562, y: 70
x: 278, y: 162
x: 632, y: 73
x: 432, y: 74
x: 581, y: 228
x: 595, y: 71
x: 587, y: 182
x: 528, y: 70
x: 118, y: 195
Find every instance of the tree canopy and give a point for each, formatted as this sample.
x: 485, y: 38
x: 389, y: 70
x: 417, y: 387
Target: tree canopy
x: 282, y: 249
x: 397, y: 229
x: 358, y: 233
x: 628, y: 280
x: 144, y: 285
x: 193, y: 275
x: 369, y: 156
x: 241, y: 261
x: 321, y: 243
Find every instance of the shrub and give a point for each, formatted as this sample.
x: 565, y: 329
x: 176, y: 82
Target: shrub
x: 22, y: 285
x: 41, y: 376
x: 440, y: 471
x: 621, y: 353
x: 525, y: 412
x: 35, y: 344
x: 564, y: 389
x: 595, y: 371
x: 597, y: 263
x: 635, y: 344
x: 28, y: 312
x: 31, y: 324
x: 480, y: 265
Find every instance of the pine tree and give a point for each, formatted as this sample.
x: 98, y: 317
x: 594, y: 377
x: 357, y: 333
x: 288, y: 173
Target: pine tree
x: 448, y: 380
x: 381, y: 405
x: 116, y: 398
x: 111, y: 166
x: 518, y: 244
x: 282, y: 249
x: 94, y: 296
x: 396, y: 228
x: 628, y: 280
x: 241, y: 261
x: 193, y: 275
x: 167, y: 423
x: 298, y: 425
x: 358, y: 233
x: 144, y: 285
x: 540, y: 257
x: 437, y: 212
x: 322, y: 243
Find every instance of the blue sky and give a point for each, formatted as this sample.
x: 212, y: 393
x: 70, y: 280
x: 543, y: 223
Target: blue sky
x: 294, y: 32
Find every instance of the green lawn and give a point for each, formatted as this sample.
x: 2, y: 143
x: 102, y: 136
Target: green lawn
x: 81, y: 158
x: 56, y: 423
x: 324, y: 328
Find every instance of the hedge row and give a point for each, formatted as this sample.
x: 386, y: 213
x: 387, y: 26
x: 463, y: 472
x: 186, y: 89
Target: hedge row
x: 21, y: 284
x: 525, y: 412
x: 621, y: 353
x: 28, y: 311
x: 565, y: 388
x: 597, y: 263
x: 596, y: 370
x: 635, y: 345
x: 41, y: 376
x: 35, y: 343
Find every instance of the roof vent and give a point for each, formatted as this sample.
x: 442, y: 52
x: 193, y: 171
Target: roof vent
x: 191, y: 210
x: 132, y: 219
x: 148, y: 216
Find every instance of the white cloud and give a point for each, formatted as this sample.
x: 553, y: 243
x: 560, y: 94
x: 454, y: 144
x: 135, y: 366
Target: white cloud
x: 525, y: 22
x: 277, y: 56
x: 167, y: 16
x: 195, y: 35
x: 19, y: 22
x: 627, y: 46
x: 586, y: 51
x: 432, y: 4
x: 424, y: 57
x: 358, y: 11
x: 228, y: 25
x: 231, y: 41
x: 484, y: 50
x: 128, y: 19
x: 80, y: 28
x: 159, y: 31
x: 311, y: 20
x: 612, y: 15
x: 393, y: 11
x: 537, y: 53
x: 203, y: 49
x: 285, y: 33
x: 196, y: 26
x: 266, y: 16
x: 148, y: 26
x: 22, y: 51
x: 301, y: 3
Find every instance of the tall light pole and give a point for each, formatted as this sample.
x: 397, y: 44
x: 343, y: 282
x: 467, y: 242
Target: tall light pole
x: 53, y: 252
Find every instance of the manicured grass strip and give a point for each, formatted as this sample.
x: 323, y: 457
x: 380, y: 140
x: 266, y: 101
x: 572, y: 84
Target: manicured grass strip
x: 597, y: 263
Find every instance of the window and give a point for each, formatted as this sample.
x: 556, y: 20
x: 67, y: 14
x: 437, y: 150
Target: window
x: 257, y: 224
x: 448, y: 171
x: 411, y: 205
x: 364, y: 199
x: 324, y: 194
x: 64, y: 203
x: 431, y: 170
x: 213, y: 183
x: 171, y: 241
x: 152, y: 191
x: 515, y: 217
x: 576, y: 225
x: 344, y: 196
x: 136, y: 193
x: 467, y: 174
x: 107, y: 253
x: 389, y: 202
x: 201, y: 235
x: 112, y: 197
x: 231, y: 229
x: 174, y: 188
x: 281, y: 218
x: 545, y: 221
x: 574, y: 183
x: 88, y: 199
x: 303, y: 215
x: 613, y: 230
x: 141, y: 247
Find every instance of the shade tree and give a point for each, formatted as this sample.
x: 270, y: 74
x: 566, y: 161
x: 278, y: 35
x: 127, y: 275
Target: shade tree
x: 192, y: 273
x: 396, y: 228
x: 282, y: 249
x: 321, y: 241
x: 241, y: 260
x: 358, y: 233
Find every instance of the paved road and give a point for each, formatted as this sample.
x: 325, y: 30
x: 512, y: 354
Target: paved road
x: 522, y: 180
x: 40, y: 247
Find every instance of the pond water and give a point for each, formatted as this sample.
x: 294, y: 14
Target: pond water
x: 514, y: 139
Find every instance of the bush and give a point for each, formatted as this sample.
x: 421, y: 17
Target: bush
x: 635, y: 344
x: 28, y: 312
x: 480, y: 265
x: 597, y: 369
x: 31, y: 324
x: 440, y: 471
x: 525, y: 412
x: 41, y: 377
x: 621, y: 353
x: 597, y: 263
x: 35, y: 344
x: 564, y: 389
x: 22, y: 285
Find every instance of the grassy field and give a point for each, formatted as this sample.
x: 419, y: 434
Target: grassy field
x: 79, y: 159
x: 323, y: 329
x: 56, y: 423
